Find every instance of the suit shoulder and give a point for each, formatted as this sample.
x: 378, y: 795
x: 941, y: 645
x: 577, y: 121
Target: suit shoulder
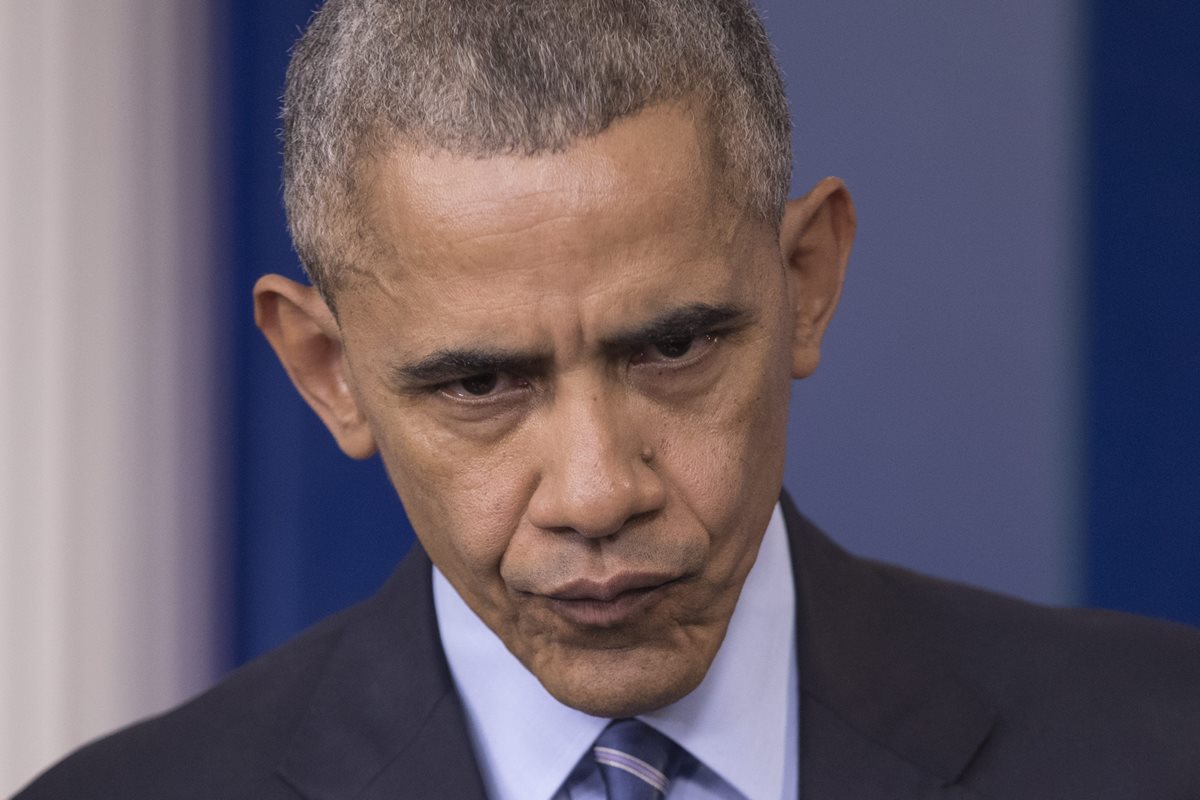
x: 1100, y: 696
x: 984, y: 627
x: 226, y: 742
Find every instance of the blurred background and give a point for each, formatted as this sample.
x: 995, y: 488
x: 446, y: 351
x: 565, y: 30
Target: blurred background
x: 1010, y: 394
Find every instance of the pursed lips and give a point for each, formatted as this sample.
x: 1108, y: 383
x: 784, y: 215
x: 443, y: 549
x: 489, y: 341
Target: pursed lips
x: 607, y: 602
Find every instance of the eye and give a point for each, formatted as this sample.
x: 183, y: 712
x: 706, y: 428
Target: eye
x: 681, y: 349
x: 483, y: 386
x: 480, y: 385
x: 674, y: 348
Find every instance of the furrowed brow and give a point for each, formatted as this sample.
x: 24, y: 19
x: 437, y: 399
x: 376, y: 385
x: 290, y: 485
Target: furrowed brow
x: 681, y: 323
x: 451, y: 365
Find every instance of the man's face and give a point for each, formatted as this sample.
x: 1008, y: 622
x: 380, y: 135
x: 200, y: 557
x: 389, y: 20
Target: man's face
x: 576, y: 367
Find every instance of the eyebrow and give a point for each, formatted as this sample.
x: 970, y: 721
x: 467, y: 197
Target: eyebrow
x: 687, y: 321
x: 449, y: 365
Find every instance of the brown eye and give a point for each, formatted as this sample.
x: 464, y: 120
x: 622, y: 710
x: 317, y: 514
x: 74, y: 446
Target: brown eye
x: 484, y: 387
x: 676, y: 353
x: 674, y: 348
x: 479, y: 385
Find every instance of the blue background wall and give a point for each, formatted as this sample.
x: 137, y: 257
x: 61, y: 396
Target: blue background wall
x: 941, y: 431
x: 1143, y: 295
x: 314, y: 530
x: 1010, y: 389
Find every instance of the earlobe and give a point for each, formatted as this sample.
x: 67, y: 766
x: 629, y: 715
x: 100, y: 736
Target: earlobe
x: 304, y: 334
x: 815, y: 238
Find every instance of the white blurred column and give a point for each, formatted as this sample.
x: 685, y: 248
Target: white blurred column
x: 109, y: 523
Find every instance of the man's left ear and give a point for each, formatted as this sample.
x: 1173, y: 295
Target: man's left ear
x: 815, y: 237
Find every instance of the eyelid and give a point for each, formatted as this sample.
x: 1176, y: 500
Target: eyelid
x: 704, y: 344
x: 444, y: 389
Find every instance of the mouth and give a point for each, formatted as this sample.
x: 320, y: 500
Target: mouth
x: 609, y: 602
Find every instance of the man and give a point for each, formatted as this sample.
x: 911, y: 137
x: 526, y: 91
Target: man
x: 556, y: 286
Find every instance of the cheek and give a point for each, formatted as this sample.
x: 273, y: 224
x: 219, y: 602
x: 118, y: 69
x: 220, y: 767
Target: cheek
x: 464, y: 504
x: 726, y: 456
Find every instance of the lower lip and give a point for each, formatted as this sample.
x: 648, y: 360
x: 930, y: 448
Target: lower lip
x: 605, y: 613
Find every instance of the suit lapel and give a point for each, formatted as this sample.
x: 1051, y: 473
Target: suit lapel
x: 385, y: 721
x: 880, y: 716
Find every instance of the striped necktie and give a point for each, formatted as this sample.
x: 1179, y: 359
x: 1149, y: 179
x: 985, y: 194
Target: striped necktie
x: 635, y: 760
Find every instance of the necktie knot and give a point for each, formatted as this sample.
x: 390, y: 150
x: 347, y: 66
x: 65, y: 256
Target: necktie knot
x: 635, y: 760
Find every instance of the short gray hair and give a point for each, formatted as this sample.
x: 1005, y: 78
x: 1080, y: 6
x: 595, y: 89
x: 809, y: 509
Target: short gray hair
x: 489, y: 77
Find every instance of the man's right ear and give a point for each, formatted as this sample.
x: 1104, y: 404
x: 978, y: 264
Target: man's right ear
x: 304, y: 334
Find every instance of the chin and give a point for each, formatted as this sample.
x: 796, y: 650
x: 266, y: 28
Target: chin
x: 623, y: 683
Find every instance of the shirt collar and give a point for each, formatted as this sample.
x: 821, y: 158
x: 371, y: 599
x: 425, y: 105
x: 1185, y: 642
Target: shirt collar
x: 527, y: 742
x: 735, y: 721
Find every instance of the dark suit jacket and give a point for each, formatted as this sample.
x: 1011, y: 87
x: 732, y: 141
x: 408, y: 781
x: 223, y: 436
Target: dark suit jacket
x: 910, y: 688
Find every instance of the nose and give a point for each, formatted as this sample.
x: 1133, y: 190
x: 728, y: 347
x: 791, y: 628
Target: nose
x: 595, y: 472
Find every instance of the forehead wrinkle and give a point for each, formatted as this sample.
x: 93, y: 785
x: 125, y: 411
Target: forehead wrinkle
x: 475, y: 257
x: 532, y: 226
x: 470, y: 292
x: 509, y: 183
x: 636, y: 263
x: 596, y: 164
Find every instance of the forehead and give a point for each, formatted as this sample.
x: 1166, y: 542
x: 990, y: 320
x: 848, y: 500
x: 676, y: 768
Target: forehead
x: 659, y: 161
x: 622, y: 218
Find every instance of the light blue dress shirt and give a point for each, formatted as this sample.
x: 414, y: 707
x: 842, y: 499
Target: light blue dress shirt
x: 741, y: 723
